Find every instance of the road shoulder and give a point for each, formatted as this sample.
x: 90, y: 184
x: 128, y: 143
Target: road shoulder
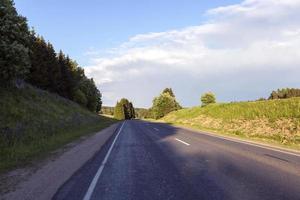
x: 42, y: 180
x: 249, y: 141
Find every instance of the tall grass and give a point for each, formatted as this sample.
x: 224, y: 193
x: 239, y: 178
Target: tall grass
x: 34, y: 122
x: 274, y: 120
x: 272, y: 109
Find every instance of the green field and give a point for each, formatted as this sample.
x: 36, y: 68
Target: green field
x: 273, y: 121
x: 34, y: 122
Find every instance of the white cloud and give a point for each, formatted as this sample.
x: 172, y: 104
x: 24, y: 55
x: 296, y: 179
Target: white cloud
x: 243, y: 51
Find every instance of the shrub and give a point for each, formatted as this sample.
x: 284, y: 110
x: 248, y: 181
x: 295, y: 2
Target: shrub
x: 208, y: 98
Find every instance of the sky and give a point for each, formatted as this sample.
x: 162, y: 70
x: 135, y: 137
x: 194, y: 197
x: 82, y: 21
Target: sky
x: 240, y: 50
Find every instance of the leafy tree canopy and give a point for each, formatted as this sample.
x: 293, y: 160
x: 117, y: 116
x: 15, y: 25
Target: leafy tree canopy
x: 14, y: 43
x: 208, y: 98
x: 169, y: 91
x: 124, y: 110
x: 164, y: 104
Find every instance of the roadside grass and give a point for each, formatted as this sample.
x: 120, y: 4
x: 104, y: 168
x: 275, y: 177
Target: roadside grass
x: 34, y: 122
x: 274, y: 122
x: 271, y: 109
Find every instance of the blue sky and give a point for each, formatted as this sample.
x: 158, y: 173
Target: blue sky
x: 240, y: 50
x: 77, y: 26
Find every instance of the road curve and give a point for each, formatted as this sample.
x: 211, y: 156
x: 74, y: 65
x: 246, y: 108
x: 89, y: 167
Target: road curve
x: 150, y: 161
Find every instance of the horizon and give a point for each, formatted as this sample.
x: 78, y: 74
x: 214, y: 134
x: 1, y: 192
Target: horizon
x: 240, y: 50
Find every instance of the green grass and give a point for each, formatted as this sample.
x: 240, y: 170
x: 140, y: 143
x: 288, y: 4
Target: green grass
x: 34, y: 122
x: 276, y: 121
x: 273, y: 109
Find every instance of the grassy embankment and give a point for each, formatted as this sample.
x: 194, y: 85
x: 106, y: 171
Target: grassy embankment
x: 274, y: 122
x: 34, y: 122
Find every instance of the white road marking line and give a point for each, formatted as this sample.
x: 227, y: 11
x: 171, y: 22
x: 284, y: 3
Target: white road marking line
x: 156, y: 129
x: 92, y: 186
x: 187, y: 144
x: 249, y: 143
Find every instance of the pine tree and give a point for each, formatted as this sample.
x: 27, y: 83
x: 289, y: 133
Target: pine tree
x: 53, y: 68
x: 39, y: 74
x: 65, y: 89
x: 132, y: 111
x: 14, y: 43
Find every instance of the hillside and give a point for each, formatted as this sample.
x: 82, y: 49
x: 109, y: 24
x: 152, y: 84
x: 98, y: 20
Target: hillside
x: 270, y: 121
x: 34, y: 122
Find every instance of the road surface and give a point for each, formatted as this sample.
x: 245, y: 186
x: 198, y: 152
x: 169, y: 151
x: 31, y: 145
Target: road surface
x: 149, y: 161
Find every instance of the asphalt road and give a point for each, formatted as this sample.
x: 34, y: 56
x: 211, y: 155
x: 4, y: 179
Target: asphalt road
x: 149, y: 161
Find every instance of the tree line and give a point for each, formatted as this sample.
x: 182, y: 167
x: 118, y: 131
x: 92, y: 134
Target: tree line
x: 139, y: 112
x: 166, y: 102
x: 25, y: 56
x: 285, y: 93
x: 124, y: 110
x: 161, y: 105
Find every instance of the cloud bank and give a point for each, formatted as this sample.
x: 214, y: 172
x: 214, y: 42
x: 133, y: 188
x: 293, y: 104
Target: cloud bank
x: 241, y: 52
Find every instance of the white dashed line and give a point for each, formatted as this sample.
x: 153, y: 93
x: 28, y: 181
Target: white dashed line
x: 183, y: 142
x: 156, y: 129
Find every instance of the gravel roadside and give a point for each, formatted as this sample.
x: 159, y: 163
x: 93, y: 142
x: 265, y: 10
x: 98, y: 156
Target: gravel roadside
x: 41, y: 181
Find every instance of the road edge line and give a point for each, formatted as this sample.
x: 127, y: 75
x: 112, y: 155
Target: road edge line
x: 242, y: 141
x: 92, y: 186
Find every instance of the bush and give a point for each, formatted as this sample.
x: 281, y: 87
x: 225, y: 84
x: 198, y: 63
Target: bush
x: 208, y: 98
x: 164, y: 104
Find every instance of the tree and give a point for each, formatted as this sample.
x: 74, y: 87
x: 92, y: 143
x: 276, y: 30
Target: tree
x: 128, y: 108
x: 80, y: 98
x: 54, y: 72
x: 92, y: 94
x: 208, y: 98
x: 285, y: 93
x: 132, y: 110
x: 106, y: 110
x: 25, y: 56
x: 14, y: 44
x: 164, y: 104
x: 119, y: 111
x: 67, y: 82
x: 141, y: 113
x: 168, y: 91
x: 41, y: 62
x: 124, y: 110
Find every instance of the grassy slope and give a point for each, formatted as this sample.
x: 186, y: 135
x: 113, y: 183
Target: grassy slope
x: 275, y: 121
x: 34, y: 122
